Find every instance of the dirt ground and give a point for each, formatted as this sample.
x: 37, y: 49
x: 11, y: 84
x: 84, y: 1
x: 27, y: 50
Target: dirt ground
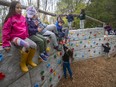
x: 96, y: 72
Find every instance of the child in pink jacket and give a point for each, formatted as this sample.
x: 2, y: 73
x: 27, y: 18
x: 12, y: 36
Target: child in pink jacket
x: 15, y: 30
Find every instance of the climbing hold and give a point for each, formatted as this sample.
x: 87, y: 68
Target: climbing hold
x: 51, y: 70
x: 71, y: 44
x: 72, y: 49
x: 54, y: 56
x: 36, y: 85
x: 94, y: 51
x: 42, y: 78
x: 51, y: 85
x: 94, y: 42
x: 48, y: 41
x: 95, y: 35
x: 90, y: 32
x: 2, y: 76
x: 75, y: 55
x: 89, y: 42
x: 59, y: 61
x: 71, y: 33
x: 58, y: 76
x: 77, y: 45
x: 77, y: 34
x: 84, y: 46
x: 42, y: 72
x: 50, y: 79
x: 82, y: 55
x: 80, y: 42
x: 91, y: 46
x: 48, y: 65
x: 1, y: 57
x: 48, y: 49
x: 54, y: 73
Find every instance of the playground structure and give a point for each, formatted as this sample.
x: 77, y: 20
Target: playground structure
x: 85, y: 42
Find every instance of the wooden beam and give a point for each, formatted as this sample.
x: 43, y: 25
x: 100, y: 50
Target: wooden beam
x: 6, y: 3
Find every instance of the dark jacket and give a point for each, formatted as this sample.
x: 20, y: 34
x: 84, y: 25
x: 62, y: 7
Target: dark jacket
x: 82, y: 16
x: 65, y: 57
x: 32, y: 28
x: 106, y: 48
x: 70, y: 18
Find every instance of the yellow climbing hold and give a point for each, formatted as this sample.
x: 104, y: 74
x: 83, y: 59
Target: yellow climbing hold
x: 48, y: 49
x: 54, y: 73
x: 77, y: 45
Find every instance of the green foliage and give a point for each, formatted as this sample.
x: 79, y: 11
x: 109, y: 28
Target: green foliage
x: 103, y: 10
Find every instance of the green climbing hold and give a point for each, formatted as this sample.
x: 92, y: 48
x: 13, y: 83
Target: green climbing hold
x: 50, y: 79
x: 54, y: 56
x: 80, y: 42
x: 42, y: 72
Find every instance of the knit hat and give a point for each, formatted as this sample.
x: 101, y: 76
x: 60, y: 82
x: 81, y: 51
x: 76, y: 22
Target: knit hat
x: 31, y: 11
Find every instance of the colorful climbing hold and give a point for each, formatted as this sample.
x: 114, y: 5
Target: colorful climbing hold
x: 59, y: 61
x: 54, y: 56
x: 51, y: 70
x: 50, y: 79
x: 36, y: 85
x: 48, y: 49
x: 42, y: 78
x: 2, y: 76
x: 1, y: 57
x: 48, y: 65
x: 42, y: 72
x: 77, y: 45
x: 54, y: 73
x: 58, y: 76
x: 80, y: 42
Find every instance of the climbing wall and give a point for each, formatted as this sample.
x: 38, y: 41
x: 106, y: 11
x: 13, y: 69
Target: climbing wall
x: 46, y: 74
x: 87, y: 42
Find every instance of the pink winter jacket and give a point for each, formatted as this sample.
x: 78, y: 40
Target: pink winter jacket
x: 15, y: 26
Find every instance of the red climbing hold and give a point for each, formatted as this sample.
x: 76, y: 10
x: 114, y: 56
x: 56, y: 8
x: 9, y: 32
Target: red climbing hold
x: 2, y: 76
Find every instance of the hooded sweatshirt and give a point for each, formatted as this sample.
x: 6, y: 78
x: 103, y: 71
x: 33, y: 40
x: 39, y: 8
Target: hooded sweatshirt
x: 15, y: 26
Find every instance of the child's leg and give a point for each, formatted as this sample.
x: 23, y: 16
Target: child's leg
x: 26, y: 44
x: 39, y: 42
x: 52, y: 27
x: 64, y: 69
x: 53, y: 37
x: 45, y: 41
x: 69, y: 69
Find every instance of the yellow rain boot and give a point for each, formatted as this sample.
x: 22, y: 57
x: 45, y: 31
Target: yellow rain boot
x: 30, y: 56
x: 23, y: 62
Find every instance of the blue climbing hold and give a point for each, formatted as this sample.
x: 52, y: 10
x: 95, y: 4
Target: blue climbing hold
x: 36, y: 85
x: 48, y: 65
x: 1, y: 57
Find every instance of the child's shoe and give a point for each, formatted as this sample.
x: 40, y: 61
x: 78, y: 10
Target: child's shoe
x: 46, y: 54
x: 43, y: 57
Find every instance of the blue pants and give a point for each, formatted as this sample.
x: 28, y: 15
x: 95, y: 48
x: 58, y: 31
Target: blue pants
x: 66, y: 65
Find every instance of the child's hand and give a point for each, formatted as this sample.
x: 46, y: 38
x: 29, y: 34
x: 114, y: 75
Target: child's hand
x: 39, y: 29
x: 36, y: 23
x: 7, y: 49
